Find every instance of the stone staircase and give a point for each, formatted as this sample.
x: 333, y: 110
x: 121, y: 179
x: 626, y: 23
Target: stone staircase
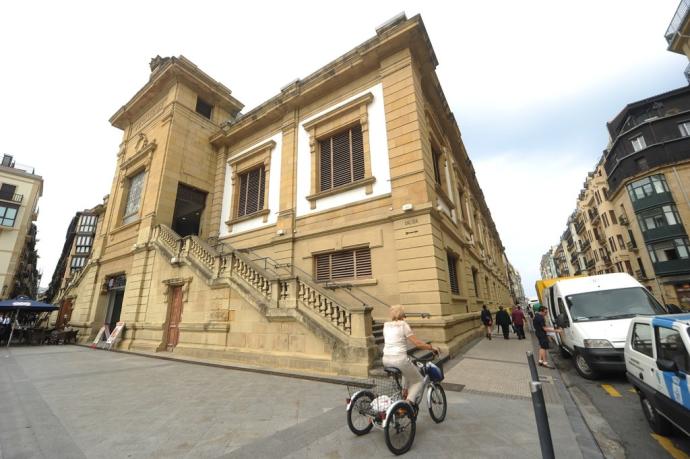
x: 277, y: 295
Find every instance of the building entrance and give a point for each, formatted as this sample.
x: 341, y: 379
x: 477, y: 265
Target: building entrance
x: 174, y: 317
x: 189, y: 205
x: 116, y: 293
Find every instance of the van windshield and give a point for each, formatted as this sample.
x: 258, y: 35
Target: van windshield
x: 612, y: 304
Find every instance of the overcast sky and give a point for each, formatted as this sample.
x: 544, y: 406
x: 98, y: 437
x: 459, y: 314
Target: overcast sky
x: 531, y: 84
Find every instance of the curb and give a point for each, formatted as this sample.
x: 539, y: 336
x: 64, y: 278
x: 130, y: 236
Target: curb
x: 607, y: 440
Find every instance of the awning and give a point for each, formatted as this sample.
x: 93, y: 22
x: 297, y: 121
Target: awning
x: 24, y: 303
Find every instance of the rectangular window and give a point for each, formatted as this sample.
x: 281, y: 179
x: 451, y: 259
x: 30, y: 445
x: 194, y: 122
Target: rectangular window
x: 203, y: 108
x: 642, y: 271
x: 252, y: 186
x: 436, y: 157
x: 135, y: 188
x: 605, y: 219
x: 348, y: 264
x: 642, y: 339
x: 670, y: 347
x: 84, y: 244
x: 676, y: 249
x: 8, y: 213
x: 659, y: 217
x: 475, y: 281
x: 453, y: 273
x: 684, y: 128
x: 341, y: 159
x: 648, y: 186
x: 87, y: 224
x: 7, y: 191
x: 638, y: 143
x: 613, y: 217
x: 77, y: 263
x: 612, y: 243
x: 621, y: 241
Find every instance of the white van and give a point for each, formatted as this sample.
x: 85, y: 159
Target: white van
x: 594, y: 313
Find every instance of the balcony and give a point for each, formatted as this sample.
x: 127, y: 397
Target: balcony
x: 654, y: 200
x: 15, y: 197
x: 594, y: 217
x: 623, y: 220
x: 606, y: 259
x: 640, y: 276
x: 632, y: 247
x: 571, y: 245
x: 573, y: 258
x: 590, y: 263
x: 677, y: 21
x: 664, y: 232
x: 585, y: 245
x: 672, y: 267
x: 579, y: 226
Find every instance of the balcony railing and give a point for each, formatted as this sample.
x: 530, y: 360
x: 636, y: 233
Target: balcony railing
x: 677, y: 21
x: 623, y: 220
x: 579, y: 226
x: 641, y: 276
x: 632, y: 246
x: 590, y: 263
x: 12, y: 197
x: 584, y: 245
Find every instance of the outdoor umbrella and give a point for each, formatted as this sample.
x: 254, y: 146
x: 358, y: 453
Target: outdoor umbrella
x: 23, y: 303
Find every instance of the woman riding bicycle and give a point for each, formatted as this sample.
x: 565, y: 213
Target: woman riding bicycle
x: 396, y: 333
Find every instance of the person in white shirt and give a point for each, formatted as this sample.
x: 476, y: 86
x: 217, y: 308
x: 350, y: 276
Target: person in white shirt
x: 396, y: 334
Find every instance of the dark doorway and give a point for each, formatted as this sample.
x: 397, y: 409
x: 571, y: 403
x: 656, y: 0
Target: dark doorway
x: 174, y: 317
x: 189, y: 205
x: 116, y: 293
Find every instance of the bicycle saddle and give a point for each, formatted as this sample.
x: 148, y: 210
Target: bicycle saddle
x: 392, y: 371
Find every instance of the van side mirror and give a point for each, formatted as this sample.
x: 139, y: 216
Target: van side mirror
x: 562, y: 320
x: 667, y: 365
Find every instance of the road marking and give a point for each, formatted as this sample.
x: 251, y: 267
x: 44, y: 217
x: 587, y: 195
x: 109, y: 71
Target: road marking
x: 670, y: 447
x: 611, y: 390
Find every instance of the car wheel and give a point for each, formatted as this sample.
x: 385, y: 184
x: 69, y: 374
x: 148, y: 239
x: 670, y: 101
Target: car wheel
x: 583, y: 368
x: 657, y: 422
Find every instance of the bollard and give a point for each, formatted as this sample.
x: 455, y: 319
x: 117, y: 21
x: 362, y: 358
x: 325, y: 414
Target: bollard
x: 532, y: 366
x: 542, y: 419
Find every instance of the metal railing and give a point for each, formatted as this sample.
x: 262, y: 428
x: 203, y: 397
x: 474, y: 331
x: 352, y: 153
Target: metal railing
x: 12, y: 197
x: 677, y: 21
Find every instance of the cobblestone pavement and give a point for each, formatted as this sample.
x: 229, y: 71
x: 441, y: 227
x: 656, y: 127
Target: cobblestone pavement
x: 71, y: 402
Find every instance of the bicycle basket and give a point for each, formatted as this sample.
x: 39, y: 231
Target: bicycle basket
x: 386, y: 391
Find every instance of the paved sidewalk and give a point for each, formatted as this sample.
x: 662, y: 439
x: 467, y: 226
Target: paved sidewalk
x: 71, y: 402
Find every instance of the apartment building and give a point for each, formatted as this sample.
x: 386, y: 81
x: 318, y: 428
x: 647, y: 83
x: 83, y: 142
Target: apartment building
x: 76, y: 251
x: 280, y: 235
x: 20, y: 189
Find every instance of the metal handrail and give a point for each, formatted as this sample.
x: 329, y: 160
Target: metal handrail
x: 677, y: 21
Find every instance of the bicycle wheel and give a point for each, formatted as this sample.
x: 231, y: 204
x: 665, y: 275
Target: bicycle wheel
x: 437, y: 403
x: 400, y: 430
x: 358, y: 419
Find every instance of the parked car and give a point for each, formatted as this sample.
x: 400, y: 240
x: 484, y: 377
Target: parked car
x: 594, y: 313
x: 657, y: 364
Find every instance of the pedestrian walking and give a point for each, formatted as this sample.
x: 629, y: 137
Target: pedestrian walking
x: 540, y: 330
x: 485, y: 317
x: 530, y: 318
x: 519, y: 322
x: 503, y: 321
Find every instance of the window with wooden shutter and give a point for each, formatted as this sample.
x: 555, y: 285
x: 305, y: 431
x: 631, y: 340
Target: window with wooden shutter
x: 453, y: 274
x: 251, y: 192
x: 436, y: 157
x: 341, y: 159
x: 347, y: 264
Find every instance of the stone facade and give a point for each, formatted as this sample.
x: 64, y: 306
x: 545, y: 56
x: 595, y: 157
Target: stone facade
x: 244, y: 286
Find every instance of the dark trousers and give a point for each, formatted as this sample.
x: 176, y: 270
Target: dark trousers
x: 520, y: 330
x: 506, y: 330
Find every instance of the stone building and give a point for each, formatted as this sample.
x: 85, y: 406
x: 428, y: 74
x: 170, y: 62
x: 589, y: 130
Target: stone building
x: 20, y: 189
x: 280, y: 235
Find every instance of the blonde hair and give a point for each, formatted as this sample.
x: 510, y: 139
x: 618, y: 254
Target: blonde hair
x: 397, y: 312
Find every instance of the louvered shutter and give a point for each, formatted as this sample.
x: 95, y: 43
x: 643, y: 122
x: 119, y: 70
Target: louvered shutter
x: 357, y: 153
x: 342, y: 164
x: 343, y: 265
x: 436, y: 156
x: 252, y: 188
x: 453, y: 274
x: 363, y: 261
x: 323, y: 267
x: 325, y: 166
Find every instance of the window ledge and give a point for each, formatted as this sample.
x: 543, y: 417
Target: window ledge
x: 124, y: 226
x: 351, y: 282
x: 261, y: 213
x: 442, y: 194
x: 365, y: 182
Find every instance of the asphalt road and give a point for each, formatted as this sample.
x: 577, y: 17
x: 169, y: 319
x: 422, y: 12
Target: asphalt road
x: 616, y: 401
